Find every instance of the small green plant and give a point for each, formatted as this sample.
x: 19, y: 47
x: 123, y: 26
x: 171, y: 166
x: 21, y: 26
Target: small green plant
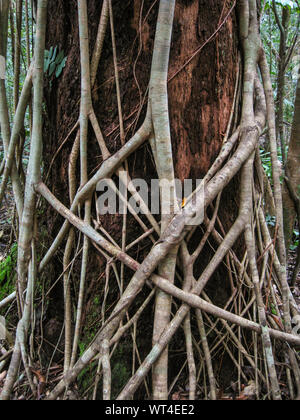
x: 6, y: 273
x: 54, y: 62
x: 83, y: 345
x: 120, y: 375
x: 271, y: 220
x: 273, y: 309
x: 295, y: 243
x: 82, y: 348
x: 87, y: 375
x: 266, y: 162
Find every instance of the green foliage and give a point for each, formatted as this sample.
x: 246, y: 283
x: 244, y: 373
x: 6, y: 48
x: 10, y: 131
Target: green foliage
x: 295, y: 244
x: 271, y: 38
x: 284, y: 3
x: 273, y: 309
x: 6, y: 273
x: 54, y: 62
x: 88, y: 338
x: 266, y: 162
x: 120, y: 375
x: 82, y: 348
x: 86, y: 376
x: 271, y: 220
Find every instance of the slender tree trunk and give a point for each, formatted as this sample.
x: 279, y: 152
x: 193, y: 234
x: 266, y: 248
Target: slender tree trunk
x: 283, y: 24
x: 291, y: 192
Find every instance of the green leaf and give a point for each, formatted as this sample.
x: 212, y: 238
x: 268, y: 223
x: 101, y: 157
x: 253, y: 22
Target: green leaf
x: 47, y: 60
x: 60, y: 67
x: 52, y: 68
x: 59, y: 57
x: 273, y: 310
x: 54, y: 54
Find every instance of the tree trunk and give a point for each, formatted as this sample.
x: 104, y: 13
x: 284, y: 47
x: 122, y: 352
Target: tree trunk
x: 203, y: 70
x: 291, y: 191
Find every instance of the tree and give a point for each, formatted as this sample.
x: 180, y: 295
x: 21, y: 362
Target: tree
x: 292, y: 180
x: 181, y: 90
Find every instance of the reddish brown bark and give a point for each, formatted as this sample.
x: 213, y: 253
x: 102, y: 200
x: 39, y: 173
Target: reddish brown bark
x: 201, y: 94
